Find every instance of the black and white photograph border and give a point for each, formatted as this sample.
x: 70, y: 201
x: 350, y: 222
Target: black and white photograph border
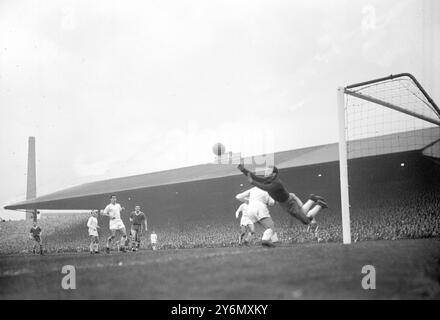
x: 220, y: 151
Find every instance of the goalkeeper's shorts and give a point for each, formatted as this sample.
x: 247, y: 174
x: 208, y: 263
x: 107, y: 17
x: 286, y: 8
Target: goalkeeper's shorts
x: 293, y: 207
x: 136, y: 227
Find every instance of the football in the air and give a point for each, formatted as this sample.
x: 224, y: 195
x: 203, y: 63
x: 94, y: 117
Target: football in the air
x: 218, y: 149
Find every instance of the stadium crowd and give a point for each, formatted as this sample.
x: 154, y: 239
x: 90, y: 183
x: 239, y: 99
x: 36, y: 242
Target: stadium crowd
x: 403, y: 215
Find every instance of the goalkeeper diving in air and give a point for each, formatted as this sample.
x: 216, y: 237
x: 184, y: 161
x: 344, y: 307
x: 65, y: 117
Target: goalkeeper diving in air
x: 289, y: 201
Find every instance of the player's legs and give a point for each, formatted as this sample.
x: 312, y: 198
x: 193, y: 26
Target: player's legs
x: 250, y: 234
x: 274, y: 238
x: 294, y: 207
x: 96, y: 245
x: 139, y: 235
x: 38, y: 243
x: 243, y: 230
x: 304, y: 212
x: 267, y: 223
x: 298, y: 200
x: 109, y: 239
x: 133, y: 238
x: 313, y: 226
x: 269, y: 233
x: 306, y: 206
x: 138, y: 239
x: 92, y: 244
x: 34, y: 246
x: 313, y: 212
x: 124, y: 239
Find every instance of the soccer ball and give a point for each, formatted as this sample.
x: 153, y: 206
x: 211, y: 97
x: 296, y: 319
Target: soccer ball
x: 218, y: 149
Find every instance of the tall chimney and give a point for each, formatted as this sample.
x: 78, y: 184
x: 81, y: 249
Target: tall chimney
x: 31, y: 191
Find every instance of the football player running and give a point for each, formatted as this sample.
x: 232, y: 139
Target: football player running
x: 137, y: 219
x: 113, y: 211
x: 92, y: 224
x: 246, y: 224
x: 258, y: 212
x: 35, y: 234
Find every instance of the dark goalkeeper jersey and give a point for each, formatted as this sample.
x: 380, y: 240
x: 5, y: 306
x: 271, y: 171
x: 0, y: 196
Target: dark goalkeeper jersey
x: 138, y: 219
x: 275, y: 188
x: 36, y: 232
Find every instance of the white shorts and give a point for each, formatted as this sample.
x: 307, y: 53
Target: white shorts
x: 245, y: 221
x: 116, y: 224
x: 261, y: 214
x: 258, y: 211
x: 93, y: 232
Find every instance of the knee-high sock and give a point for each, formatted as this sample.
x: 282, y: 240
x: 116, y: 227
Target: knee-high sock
x: 109, y: 239
x: 124, y: 241
x: 96, y: 247
x: 274, y: 237
x: 133, y: 240
x: 312, y: 213
x: 92, y: 245
x: 267, y: 235
x: 306, y: 207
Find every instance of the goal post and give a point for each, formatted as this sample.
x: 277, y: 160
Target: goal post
x: 343, y: 169
x: 389, y: 115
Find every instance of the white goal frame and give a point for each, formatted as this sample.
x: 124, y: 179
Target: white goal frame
x: 343, y: 155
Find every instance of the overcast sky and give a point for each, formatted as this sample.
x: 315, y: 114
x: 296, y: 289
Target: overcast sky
x: 115, y: 88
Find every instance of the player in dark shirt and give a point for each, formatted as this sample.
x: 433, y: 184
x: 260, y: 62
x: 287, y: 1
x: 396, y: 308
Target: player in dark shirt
x: 35, y: 235
x: 289, y: 201
x: 137, y: 219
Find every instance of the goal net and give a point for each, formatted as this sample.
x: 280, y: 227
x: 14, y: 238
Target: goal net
x: 389, y: 134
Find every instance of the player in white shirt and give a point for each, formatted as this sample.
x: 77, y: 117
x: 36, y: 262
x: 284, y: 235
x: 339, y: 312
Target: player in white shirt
x: 113, y: 211
x: 92, y: 224
x: 153, y: 240
x: 246, y: 224
x: 258, y: 211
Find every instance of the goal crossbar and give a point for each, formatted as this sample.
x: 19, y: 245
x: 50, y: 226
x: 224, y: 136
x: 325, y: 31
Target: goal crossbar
x: 392, y: 77
x: 392, y: 106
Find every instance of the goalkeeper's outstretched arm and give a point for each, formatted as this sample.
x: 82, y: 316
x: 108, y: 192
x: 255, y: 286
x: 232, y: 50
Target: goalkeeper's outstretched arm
x: 262, y: 186
x: 248, y: 173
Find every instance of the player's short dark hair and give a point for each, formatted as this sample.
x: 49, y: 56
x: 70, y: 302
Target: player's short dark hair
x: 113, y: 195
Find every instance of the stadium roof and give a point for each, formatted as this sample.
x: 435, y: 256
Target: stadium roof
x: 392, y: 143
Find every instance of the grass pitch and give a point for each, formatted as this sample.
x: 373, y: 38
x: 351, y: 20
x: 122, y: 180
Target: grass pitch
x: 407, y: 269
